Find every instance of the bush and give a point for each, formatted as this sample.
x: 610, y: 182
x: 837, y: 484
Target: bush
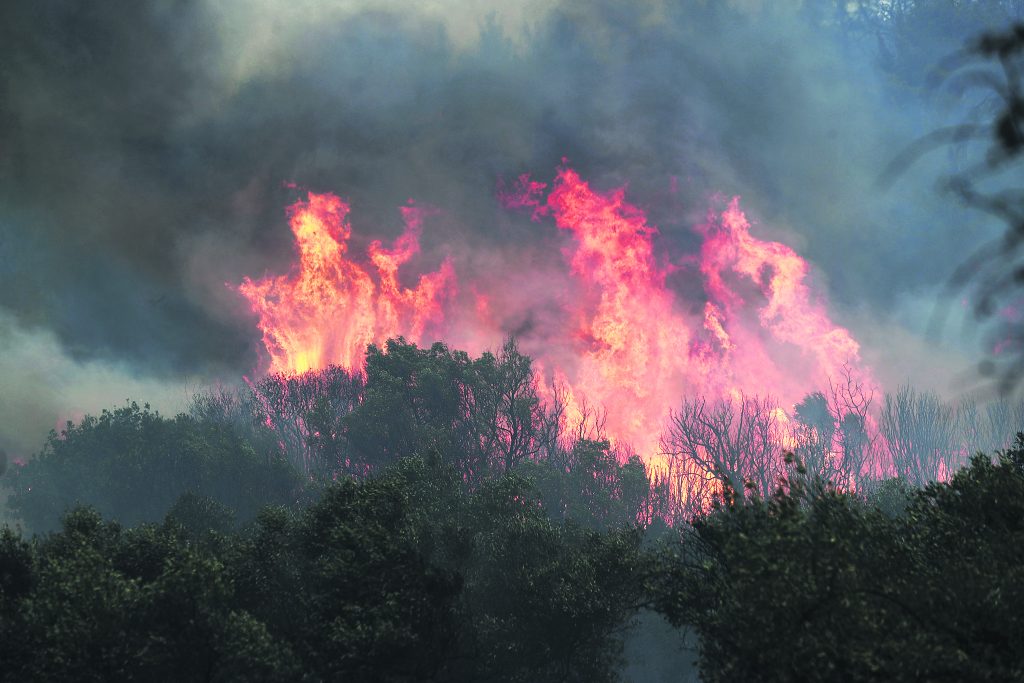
x: 132, y: 464
x: 403, y: 576
x: 827, y: 586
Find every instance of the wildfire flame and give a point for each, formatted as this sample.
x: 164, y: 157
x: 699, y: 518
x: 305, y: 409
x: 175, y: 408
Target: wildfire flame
x: 329, y: 308
x: 788, y: 313
x: 633, y: 349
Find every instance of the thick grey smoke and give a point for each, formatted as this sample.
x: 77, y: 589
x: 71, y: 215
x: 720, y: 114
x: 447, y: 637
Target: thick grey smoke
x: 144, y: 148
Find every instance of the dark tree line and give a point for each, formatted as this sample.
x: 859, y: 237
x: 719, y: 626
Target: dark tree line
x: 281, y: 440
x: 816, y: 585
x: 482, y: 416
x: 132, y: 464
x: 411, y: 574
x: 433, y: 519
x: 400, y: 577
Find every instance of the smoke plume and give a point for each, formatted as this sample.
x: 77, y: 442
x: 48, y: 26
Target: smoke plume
x: 148, y: 149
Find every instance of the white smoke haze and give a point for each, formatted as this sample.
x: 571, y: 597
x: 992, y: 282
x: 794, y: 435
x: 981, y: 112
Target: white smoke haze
x: 146, y: 148
x: 269, y: 36
x: 44, y: 388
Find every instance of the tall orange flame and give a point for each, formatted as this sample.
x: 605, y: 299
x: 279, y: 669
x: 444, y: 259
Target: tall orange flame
x: 634, y: 350
x: 629, y: 340
x: 329, y: 308
x: 788, y: 313
x: 637, y: 351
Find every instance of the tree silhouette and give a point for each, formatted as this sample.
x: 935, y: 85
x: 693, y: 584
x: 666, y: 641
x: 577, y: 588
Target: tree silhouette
x: 990, y: 182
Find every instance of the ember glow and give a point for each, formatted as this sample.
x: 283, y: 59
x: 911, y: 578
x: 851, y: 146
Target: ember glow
x: 632, y: 346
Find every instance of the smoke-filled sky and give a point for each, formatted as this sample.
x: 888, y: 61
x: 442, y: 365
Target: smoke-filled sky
x: 146, y: 150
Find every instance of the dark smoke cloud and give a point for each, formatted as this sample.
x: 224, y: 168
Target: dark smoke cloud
x: 144, y: 146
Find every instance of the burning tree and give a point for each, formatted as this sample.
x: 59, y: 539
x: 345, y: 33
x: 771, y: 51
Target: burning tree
x: 736, y: 442
x: 618, y: 346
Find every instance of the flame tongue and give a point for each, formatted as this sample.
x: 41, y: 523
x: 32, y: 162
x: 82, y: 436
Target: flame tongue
x: 633, y: 351
x: 639, y: 353
x: 329, y: 308
x: 632, y: 367
x: 403, y: 311
x: 788, y: 315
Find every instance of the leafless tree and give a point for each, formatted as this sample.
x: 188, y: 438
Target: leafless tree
x: 856, y: 452
x: 737, y: 442
x: 969, y: 434
x: 920, y: 433
x: 558, y: 432
x: 990, y: 428
x: 690, y: 488
x: 305, y: 413
x: 220, y: 404
x: 551, y: 423
x: 1003, y: 419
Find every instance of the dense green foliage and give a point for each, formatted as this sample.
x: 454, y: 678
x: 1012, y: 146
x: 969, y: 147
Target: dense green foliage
x: 401, y: 577
x: 409, y: 575
x: 279, y: 533
x: 813, y: 584
x: 131, y: 464
x: 482, y: 413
